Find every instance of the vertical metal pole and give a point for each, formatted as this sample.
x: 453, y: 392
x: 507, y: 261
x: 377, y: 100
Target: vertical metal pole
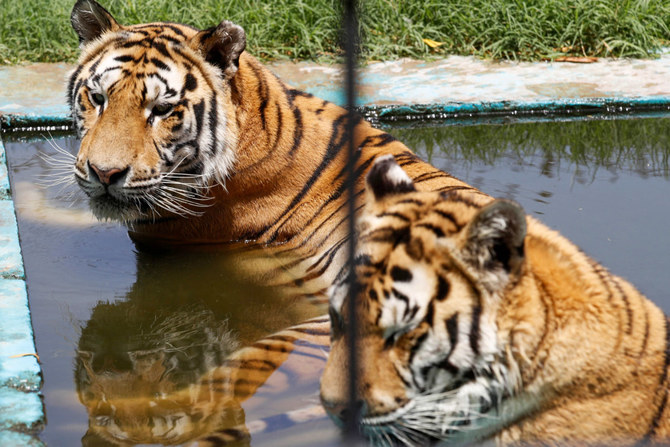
x: 350, y: 37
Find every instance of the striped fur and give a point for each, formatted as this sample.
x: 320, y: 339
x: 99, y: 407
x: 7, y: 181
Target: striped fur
x: 476, y: 321
x: 194, y: 141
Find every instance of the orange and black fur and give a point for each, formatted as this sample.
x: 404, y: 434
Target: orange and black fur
x: 186, y: 138
x: 179, y: 391
x: 477, y: 321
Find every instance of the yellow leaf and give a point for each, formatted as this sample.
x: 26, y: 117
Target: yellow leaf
x: 32, y: 354
x: 431, y: 43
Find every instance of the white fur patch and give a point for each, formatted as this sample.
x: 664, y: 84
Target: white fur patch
x: 337, y: 294
x: 397, y: 313
x: 397, y: 175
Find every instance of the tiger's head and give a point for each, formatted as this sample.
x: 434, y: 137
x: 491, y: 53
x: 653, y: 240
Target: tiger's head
x: 153, y: 105
x: 430, y: 273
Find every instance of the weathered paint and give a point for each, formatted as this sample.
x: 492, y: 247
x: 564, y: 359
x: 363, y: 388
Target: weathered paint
x: 33, y: 90
x: 10, y: 438
x: 21, y: 410
x: 33, y: 95
x: 465, y: 85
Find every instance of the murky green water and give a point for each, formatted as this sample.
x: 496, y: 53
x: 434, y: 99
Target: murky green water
x: 95, y: 298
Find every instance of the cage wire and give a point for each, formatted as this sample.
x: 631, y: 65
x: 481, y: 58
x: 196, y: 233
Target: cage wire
x: 350, y: 41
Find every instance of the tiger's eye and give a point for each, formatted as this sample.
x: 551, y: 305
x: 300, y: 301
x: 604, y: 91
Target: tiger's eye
x: 98, y: 99
x: 161, y: 109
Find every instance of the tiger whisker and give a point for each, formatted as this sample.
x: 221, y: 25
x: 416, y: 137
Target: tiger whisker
x: 401, y: 436
x: 177, y: 200
x: 170, y: 207
x: 169, y: 203
x: 58, y: 172
x: 187, y: 194
x: 56, y: 160
x: 190, y: 183
x: 416, y: 437
x: 149, y: 202
x: 48, y: 182
x: 52, y: 142
x: 183, y: 175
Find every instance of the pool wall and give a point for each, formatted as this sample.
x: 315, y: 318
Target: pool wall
x: 455, y: 89
x: 21, y: 410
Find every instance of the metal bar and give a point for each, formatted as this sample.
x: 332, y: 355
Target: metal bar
x: 350, y: 41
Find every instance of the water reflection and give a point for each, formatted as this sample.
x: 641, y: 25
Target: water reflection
x: 638, y: 146
x: 164, y: 364
x: 163, y: 343
x: 159, y: 338
x: 138, y: 377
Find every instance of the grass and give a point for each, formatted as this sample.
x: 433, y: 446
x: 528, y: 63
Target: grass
x: 39, y: 30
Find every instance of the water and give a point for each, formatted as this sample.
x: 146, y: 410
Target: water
x: 95, y: 297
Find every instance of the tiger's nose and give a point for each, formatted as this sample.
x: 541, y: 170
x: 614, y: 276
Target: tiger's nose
x: 108, y: 176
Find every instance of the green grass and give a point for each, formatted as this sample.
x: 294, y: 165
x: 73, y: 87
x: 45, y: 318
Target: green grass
x: 39, y: 30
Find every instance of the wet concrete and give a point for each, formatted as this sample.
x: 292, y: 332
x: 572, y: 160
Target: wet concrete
x: 35, y: 93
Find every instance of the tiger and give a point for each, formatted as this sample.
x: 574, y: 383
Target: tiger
x: 188, y: 139
x: 477, y: 322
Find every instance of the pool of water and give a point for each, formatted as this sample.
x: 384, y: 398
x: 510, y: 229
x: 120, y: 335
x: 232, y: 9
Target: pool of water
x: 95, y: 297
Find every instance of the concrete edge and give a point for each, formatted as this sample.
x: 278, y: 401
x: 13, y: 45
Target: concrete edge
x: 22, y: 415
x: 472, y: 112
x: 520, y: 110
x: 23, y: 123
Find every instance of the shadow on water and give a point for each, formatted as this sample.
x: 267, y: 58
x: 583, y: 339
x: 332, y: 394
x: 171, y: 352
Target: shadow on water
x: 131, y: 340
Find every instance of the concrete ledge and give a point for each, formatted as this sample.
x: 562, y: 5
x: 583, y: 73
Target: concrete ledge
x: 8, y: 438
x: 466, y: 88
x: 21, y: 409
x: 460, y: 112
x: 454, y: 87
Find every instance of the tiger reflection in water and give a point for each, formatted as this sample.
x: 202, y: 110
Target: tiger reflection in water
x: 176, y: 357
x: 181, y: 376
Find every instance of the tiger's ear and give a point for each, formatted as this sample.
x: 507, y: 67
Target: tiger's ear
x: 90, y: 21
x: 494, y: 242
x: 221, y: 46
x: 387, y: 177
